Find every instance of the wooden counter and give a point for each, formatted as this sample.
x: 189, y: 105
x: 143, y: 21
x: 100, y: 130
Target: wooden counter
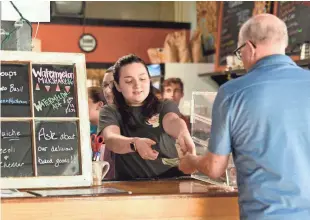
x: 164, y: 199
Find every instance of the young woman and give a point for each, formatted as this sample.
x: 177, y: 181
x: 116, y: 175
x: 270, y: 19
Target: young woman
x: 140, y: 129
x: 96, y: 101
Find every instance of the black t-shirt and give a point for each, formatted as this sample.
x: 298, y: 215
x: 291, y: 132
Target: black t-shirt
x: 131, y: 165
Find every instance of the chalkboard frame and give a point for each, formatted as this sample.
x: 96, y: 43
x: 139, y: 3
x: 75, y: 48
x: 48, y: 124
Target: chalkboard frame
x: 82, y: 119
x: 275, y: 12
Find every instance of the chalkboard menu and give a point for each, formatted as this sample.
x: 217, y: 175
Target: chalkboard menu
x: 296, y: 15
x: 15, y: 97
x: 56, y: 142
x: 16, y: 149
x: 234, y: 14
x: 54, y: 90
x: 44, y: 128
x: 57, y: 148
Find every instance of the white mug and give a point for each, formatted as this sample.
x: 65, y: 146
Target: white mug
x: 99, y: 171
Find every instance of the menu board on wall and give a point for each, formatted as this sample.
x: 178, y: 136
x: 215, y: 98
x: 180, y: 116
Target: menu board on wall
x: 15, y: 97
x: 16, y: 149
x: 234, y: 14
x: 231, y: 17
x: 54, y: 90
x: 296, y: 16
x: 57, y: 148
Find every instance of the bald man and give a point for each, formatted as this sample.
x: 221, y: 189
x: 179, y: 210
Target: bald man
x: 263, y: 118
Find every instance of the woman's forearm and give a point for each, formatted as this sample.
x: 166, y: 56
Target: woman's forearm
x: 174, y: 126
x: 119, y: 144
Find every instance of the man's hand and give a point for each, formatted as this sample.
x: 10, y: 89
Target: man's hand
x: 144, y: 148
x: 188, y: 163
x: 212, y: 165
x: 186, y: 143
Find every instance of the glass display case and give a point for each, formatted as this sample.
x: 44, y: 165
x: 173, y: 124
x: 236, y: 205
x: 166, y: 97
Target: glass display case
x: 201, y: 120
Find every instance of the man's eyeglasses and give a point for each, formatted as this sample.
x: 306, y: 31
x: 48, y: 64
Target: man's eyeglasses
x: 237, y: 51
x: 107, y: 84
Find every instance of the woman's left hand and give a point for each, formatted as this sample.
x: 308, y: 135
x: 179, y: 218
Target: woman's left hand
x: 186, y: 143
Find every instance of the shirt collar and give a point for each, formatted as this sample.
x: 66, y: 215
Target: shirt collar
x: 273, y: 59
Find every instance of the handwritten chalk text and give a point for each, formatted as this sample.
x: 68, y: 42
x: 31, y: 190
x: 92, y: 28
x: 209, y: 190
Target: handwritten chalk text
x: 8, y: 74
x: 45, y: 161
x: 16, y: 89
x: 10, y: 165
x: 70, y: 106
x: 59, y: 148
x: 54, y: 148
x: 47, y: 136
x: 10, y: 133
x: 13, y: 101
x: 7, y: 150
x: 50, y: 135
x: 53, y: 77
x: 57, y: 162
x: 54, y: 101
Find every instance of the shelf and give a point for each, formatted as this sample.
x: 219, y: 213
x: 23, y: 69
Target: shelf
x: 301, y: 63
x: 237, y: 72
x: 210, y: 74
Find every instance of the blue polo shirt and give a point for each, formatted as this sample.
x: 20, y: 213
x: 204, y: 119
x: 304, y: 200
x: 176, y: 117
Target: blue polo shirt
x: 263, y: 118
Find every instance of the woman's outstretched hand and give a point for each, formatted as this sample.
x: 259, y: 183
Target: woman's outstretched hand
x: 186, y: 143
x: 144, y: 148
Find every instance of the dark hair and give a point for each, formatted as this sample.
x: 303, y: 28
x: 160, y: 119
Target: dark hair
x: 170, y: 81
x: 151, y: 104
x: 95, y: 93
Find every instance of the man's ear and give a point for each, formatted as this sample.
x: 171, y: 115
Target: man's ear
x: 182, y: 94
x: 252, y: 48
x: 100, y: 104
x: 117, y: 86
